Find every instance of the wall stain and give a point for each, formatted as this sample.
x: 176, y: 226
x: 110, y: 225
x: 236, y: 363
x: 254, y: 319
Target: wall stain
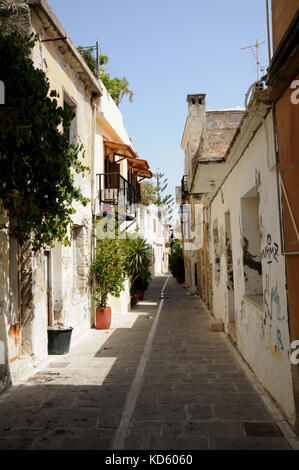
x: 248, y: 258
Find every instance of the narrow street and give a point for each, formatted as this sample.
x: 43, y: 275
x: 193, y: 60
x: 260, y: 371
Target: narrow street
x: 148, y: 383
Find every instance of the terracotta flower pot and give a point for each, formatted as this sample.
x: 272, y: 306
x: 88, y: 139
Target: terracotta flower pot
x: 103, y: 318
x: 139, y: 293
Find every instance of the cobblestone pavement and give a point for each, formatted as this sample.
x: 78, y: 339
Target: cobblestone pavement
x: 193, y: 394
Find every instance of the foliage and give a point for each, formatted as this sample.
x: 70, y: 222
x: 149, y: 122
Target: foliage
x: 116, y: 87
x: 148, y: 193
x: 176, y: 261
x: 137, y: 259
x: 36, y: 160
x: 142, y: 282
x: 108, y: 270
x: 90, y: 59
x: 164, y: 202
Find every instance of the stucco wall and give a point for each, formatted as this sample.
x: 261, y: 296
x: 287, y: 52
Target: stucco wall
x: 261, y: 323
x: 70, y: 308
x: 60, y: 70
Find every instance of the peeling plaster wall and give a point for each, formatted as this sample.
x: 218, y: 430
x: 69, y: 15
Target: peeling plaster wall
x: 218, y: 132
x: 262, y: 329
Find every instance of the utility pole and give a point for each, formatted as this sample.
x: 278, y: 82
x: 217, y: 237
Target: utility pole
x: 256, y: 56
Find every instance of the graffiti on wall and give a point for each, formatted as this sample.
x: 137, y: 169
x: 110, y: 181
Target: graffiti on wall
x: 270, y: 251
x: 267, y: 308
x: 229, y: 258
x: 216, y: 250
x: 276, y: 304
x: 275, y: 351
x: 249, y: 259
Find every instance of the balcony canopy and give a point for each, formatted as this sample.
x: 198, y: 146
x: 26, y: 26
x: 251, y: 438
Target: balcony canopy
x: 140, y: 167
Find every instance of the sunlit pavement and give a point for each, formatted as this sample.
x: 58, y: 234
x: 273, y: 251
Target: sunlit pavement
x: 179, y: 386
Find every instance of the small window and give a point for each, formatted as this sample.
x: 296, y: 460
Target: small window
x: 70, y: 132
x: 252, y: 246
x: 81, y: 259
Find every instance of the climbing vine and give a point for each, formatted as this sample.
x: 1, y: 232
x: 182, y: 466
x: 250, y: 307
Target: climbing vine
x: 37, y: 163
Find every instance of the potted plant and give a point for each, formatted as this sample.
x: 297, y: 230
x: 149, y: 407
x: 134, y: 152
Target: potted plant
x: 108, y: 274
x: 141, y: 283
x: 176, y: 263
x: 137, y: 260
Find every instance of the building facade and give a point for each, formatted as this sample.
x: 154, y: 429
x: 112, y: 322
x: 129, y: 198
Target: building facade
x: 234, y: 239
x: 242, y: 178
x: 53, y: 286
x: 283, y: 92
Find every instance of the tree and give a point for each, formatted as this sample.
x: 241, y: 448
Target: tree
x: 36, y: 160
x: 108, y: 270
x: 164, y: 202
x: 90, y: 59
x: 148, y: 193
x: 116, y: 87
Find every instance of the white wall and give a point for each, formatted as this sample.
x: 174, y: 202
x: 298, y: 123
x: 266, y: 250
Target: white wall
x: 261, y: 323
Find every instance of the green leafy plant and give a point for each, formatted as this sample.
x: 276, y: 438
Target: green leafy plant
x: 37, y: 163
x: 148, y: 193
x: 142, y: 282
x: 176, y: 261
x: 137, y: 259
x: 108, y: 270
x: 117, y: 87
x: 164, y: 202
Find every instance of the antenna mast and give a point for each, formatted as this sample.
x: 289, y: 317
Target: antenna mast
x: 256, y: 56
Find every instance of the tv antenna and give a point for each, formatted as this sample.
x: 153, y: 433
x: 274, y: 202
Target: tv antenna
x: 255, y: 53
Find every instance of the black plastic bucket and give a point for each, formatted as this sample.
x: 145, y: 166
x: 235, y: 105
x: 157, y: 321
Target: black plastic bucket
x: 59, y: 339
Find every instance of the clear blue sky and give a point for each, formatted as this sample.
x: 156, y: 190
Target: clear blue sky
x: 168, y: 49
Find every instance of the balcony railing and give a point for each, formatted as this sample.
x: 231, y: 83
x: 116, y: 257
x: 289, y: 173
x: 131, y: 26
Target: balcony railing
x: 115, y: 190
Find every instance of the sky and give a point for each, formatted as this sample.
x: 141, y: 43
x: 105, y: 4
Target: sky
x: 168, y: 49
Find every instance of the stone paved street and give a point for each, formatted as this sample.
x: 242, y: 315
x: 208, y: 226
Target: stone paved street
x: 194, y: 393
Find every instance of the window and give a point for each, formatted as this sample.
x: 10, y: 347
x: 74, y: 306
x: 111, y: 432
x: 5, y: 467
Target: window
x: 71, y: 132
x: 81, y: 260
x: 252, y: 246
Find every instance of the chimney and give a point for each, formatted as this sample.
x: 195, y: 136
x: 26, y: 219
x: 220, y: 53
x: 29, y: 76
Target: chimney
x: 196, y: 104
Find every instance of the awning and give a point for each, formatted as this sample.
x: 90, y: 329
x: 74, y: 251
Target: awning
x: 122, y: 150
x: 140, y: 166
x: 143, y: 172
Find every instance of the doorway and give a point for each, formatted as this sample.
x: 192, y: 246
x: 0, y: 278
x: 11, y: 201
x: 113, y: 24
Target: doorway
x: 229, y: 272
